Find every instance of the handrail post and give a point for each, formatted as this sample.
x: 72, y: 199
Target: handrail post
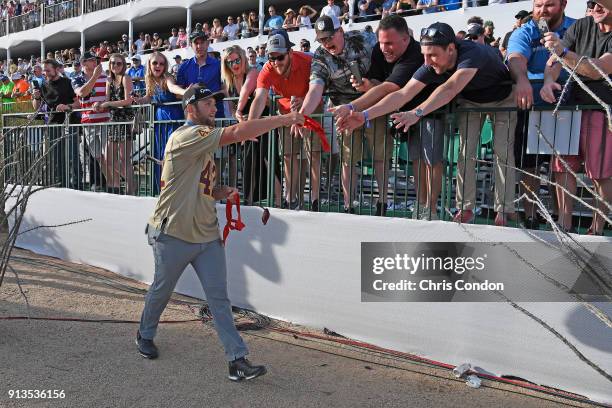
x: 42, y: 14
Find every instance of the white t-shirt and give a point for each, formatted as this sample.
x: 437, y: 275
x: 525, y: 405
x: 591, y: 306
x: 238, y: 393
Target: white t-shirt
x: 173, y: 42
x: 331, y: 11
x: 231, y: 31
x: 305, y: 23
x: 139, y: 46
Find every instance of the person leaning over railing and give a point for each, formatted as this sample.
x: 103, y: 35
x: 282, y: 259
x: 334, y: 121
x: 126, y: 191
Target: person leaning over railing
x: 58, y: 95
x: 119, y: 146
x: 526, y: 61
x: 162, y: 91
x: 476, y: 74
x: 330, y: 73
x: 589, y: 37
x: 287, y: 73
x: 395, y: 59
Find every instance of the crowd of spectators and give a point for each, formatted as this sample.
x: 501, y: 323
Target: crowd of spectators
x: 494, y: 71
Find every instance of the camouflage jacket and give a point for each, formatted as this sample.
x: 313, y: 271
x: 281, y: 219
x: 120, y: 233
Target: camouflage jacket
x: 333, y: 71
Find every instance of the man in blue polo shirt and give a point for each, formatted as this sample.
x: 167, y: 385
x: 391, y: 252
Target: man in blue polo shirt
x: 527, y: 59
x: 201, y: 69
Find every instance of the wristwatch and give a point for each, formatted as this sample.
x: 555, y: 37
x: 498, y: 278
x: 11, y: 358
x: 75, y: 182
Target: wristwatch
x: 419, y: 113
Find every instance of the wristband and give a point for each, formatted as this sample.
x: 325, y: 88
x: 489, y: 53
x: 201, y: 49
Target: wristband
x: 367, y: 119
x: 564, y: 53
x: 350, y: 105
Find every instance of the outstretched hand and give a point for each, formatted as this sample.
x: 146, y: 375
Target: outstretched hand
x: 350, y: 122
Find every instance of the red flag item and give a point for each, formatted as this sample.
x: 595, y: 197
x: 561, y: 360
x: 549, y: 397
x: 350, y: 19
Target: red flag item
x: 311, y: 124
x: 232, y: 224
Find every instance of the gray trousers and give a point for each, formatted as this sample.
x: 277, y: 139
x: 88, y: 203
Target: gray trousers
x: 172, y: 256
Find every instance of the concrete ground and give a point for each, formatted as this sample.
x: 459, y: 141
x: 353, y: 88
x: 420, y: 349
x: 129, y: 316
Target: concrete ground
x: 96, y: 364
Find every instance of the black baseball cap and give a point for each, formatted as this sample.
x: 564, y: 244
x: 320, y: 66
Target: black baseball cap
x: 438, y: 34
x: 326, y: 26
x: 522, y: 14
x: 196, y: 93
x: 198, y: 34
x: 305, y: 43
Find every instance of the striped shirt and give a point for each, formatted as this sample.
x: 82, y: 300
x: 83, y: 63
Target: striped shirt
x: 98, y: 94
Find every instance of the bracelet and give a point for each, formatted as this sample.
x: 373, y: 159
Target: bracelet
x: 366, y: 116
x: 564, y: 53
x: 350, y: 105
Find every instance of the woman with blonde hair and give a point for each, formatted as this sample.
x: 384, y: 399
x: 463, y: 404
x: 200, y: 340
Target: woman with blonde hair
x: 162, y: 90
x: 119, y: 142
x: 240, y: 81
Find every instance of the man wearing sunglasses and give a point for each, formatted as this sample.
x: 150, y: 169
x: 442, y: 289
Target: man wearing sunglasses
x: 589, y: 37
x: 474, y: 73
x: 184, y: 229
x: 526, y: 61
x: 287, y: 73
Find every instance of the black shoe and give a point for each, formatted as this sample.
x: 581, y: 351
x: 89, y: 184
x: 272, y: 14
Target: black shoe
x: 315, y: 206
x: 241, y: 369
x: 349, y: 210
x: 381, y: 209
x: 146, y: 347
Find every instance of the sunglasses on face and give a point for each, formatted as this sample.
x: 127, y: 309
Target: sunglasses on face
x: 277, y: 58
x: 156, y: 63
x: 237, y: 61
x: 116, y: 63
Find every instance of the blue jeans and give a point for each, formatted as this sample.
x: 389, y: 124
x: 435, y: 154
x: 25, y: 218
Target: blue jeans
x: 172, y: 256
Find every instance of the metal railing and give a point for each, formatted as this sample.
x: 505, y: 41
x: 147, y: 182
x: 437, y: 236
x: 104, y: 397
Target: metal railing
x: 96, y: 5
x: 61, y: 11
x: 24, y: 22
x: 419, y: 174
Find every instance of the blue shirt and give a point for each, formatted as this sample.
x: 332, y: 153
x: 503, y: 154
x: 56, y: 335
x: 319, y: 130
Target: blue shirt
x: 450, y: 4
x: 134, y: 73
x: 210, y: 74
x: 274, y: 22
x: 525, y: 40
x: 428, y: 3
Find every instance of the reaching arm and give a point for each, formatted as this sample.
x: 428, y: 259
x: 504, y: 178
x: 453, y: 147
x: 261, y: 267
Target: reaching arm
x: 552, y: 42
x: 259, y: 103
x: 251, y: 129
x: 173, y: 87
x: 448, y: 90
x: 247, y: 90
x: 312, y: 98
x: 397, y: 99
x: 517, y: 63
x: 551, y: 74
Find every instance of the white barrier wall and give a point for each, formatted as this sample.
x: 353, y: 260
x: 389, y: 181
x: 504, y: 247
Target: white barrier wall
x: 305, y: 268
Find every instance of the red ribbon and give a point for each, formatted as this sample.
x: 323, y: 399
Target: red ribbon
x: 311, y: 124
x: 232, y: 224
